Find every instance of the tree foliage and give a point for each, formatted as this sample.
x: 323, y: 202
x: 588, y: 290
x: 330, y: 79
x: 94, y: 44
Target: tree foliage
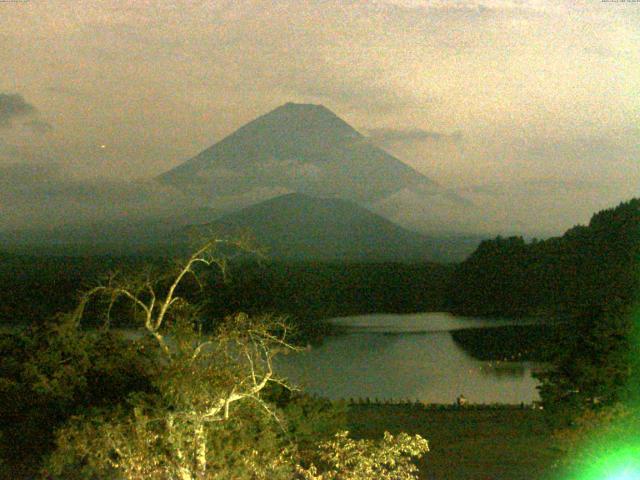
x: 200, y: 383
x: 53, y: 371
x: 343, y: 458
x: 601, y: 444
x: 590, y: 364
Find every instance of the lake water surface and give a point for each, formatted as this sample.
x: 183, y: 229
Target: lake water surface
x: 398, y: 357
x: 405, y: 357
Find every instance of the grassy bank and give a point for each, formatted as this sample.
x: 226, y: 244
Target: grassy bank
x: 467, y: 444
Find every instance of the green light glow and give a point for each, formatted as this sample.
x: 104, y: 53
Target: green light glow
x: 615, y: 464
x: 626, y: 474
x: 613, y: 451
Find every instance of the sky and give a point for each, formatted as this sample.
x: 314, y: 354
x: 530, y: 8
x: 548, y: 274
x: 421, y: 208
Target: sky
x: 524, y: 106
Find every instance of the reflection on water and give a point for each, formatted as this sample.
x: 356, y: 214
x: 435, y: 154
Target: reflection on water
x: 421, y: 362
x: 420, y: 322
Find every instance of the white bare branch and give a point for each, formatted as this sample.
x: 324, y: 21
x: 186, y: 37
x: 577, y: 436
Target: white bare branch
x: 234, y: 365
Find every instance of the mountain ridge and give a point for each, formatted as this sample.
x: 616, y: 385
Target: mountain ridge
x: 297, y: 226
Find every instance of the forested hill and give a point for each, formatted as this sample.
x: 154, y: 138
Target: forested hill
x: 594, y: 266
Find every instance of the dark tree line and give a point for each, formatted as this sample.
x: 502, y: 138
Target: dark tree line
x: 311, y: 291
x: 34, y: 288
x: 589, y: 267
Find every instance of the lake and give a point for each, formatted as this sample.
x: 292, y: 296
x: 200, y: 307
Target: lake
x: 399, y: 357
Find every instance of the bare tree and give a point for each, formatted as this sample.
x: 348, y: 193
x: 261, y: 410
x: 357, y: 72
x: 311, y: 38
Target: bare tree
x: 142, y: 289
x: 200, y: 377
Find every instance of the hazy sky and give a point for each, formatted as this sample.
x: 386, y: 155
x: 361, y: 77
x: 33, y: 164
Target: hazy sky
x: 528, y: 100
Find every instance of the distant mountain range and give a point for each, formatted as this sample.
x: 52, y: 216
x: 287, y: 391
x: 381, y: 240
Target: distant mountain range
x: 300, y: 227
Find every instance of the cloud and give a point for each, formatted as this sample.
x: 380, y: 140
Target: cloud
x: 392, y: 135
x: 360, y: 93
x: 16, y: 156
x: 67, y: 91
x: 17, y: 177
x: 39, y: 126
x: 536, y: 186
x: 521, y: 6
x: 12, y: 106
x: 546, y: 206
x: 39, y: 193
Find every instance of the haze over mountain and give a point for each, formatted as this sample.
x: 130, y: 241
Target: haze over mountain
x: 296, y: 147
x: 296, y: 226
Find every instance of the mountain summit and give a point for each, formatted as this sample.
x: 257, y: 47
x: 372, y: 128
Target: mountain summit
x: 295, y: 148
x: 303, y: 121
